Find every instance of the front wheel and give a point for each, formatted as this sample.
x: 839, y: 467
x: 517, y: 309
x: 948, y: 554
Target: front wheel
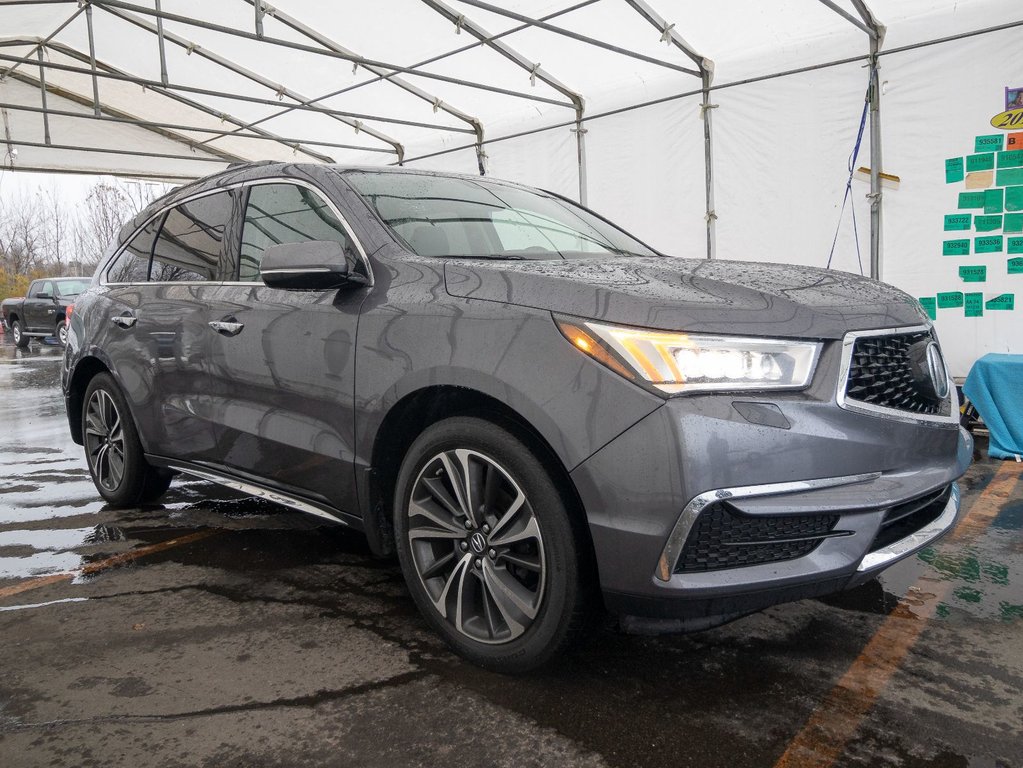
x: 116, y: 462
x: 487, y: 546
x: 61, y: 333
x: 21, y: 340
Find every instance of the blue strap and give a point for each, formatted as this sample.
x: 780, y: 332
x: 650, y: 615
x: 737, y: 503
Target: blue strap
x: 848, y: 183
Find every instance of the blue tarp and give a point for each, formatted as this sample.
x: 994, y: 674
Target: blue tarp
x: 995, y: 387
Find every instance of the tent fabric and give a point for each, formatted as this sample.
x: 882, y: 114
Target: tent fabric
x: 788, y: 88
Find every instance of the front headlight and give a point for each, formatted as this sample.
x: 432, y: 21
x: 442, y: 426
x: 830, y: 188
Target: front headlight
x: 688, y: 362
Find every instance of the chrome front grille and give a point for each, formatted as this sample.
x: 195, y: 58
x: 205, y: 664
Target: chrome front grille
x: 878, y: 375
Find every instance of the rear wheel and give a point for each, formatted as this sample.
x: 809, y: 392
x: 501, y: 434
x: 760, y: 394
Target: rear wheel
x: 487, y: 546
x: 116, y: 462
x: 18, y: 333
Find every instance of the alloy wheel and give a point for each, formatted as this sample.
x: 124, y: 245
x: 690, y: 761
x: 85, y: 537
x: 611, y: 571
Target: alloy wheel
x: 104, y: 440
x: 62, y: 334
x: 476, y: 546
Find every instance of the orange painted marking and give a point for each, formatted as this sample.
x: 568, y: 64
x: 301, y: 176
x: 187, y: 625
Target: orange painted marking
x: 836, y: 720
x: 102, y: 565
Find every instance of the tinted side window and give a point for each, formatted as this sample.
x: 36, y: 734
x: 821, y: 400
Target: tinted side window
x: 132, y: 266
x: 284, y: 213
x: 190, y: 244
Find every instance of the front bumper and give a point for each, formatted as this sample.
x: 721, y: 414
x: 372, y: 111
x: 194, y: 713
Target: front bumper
x: 644, y: 491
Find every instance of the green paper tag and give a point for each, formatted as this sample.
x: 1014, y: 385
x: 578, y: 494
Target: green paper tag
x: 971, y: 200
x: 993, y: 200
x: 1015, y: 266
x: 950, y: 299
x: 975, y: 274
x: 953, y: 170
x: 974, y: 304
x: 984, y: 162
x: 987, y: 223
x: 1013, y: 223
x: 987, y: 244
x: 1014, y: 245
x: 955, y: 248
x: 1006, y: 177
x: 1011, y: 159
x: 930, y: 306
x: 1013, y: 199
x: 1005, y: 301
x: 990, y: 143
x: 958, y: 221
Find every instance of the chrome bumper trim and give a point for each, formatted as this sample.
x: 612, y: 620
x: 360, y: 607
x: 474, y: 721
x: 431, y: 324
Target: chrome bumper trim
x: 256, y: 490
x: 914, y: 541
x: 684, y: 524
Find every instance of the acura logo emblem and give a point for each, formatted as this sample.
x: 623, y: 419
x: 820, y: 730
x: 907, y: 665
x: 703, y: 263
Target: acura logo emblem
x: 936, y: 368
x: 478, y: 542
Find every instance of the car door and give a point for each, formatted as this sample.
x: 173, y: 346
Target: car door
x: 282, y: 361
x: 40, y: 308
x: 158, y: 332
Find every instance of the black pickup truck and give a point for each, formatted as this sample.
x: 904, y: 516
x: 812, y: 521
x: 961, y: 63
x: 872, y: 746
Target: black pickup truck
x: 43, y: 312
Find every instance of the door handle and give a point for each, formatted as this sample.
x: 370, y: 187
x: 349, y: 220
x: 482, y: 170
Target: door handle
x: 226, y: 327
x: 125, y: 320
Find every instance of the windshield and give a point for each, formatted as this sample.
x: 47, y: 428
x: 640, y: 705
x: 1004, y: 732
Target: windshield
x: 466, y: 218
x: 71, y: 288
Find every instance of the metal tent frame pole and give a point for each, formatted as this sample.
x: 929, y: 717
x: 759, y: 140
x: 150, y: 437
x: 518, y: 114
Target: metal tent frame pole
x: 706, y: 74
x: 875, y: 30
x: 536, y: 72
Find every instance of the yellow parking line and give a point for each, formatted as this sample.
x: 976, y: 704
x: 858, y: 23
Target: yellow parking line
x: 110, y: 562
x: 834, y: 723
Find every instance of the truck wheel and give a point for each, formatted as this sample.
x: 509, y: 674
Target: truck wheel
x: 20, y: 339
x: 487, y: 546
x: 61, y: 333
x: 116, y: 462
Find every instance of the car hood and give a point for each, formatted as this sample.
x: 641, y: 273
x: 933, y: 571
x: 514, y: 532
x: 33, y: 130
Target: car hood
x: 723, y: 297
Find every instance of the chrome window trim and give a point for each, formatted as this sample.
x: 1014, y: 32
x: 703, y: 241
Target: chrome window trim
x: 848, y: 342
x: 915, y: 540
x: 686, y: 520
x: 226, y: 188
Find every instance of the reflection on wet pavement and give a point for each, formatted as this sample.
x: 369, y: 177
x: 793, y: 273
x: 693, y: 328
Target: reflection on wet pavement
x: 216, y: 629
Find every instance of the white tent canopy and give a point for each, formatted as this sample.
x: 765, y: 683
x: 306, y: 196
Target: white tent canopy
x: 710, y: 129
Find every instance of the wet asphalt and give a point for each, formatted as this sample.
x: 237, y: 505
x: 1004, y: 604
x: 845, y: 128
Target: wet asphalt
x: 219, y: 630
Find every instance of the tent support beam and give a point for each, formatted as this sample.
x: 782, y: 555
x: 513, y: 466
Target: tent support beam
x: 125, y: 152
x: 576, y: 36
x: 42, y: 95
x: 229, y: 65
x: 108, y: 5
x: 155, y: 84
x: 850, y: 18
x: 706, y: 67
x: 92, y: 60
x: 536, y: 72
x: 474, y: 123
x: 223, y: 116
x: 44, y: 41
x: 107, y: 117
x: 876, y: 199
x: 163, y: 49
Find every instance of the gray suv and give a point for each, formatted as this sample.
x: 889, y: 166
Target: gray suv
x: 541, y: 415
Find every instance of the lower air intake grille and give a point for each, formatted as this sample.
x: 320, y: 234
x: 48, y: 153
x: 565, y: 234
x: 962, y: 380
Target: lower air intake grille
x: 909, y: 517
x: 723, y: 537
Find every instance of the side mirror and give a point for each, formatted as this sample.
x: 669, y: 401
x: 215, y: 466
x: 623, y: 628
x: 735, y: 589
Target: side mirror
x: 312, y: 265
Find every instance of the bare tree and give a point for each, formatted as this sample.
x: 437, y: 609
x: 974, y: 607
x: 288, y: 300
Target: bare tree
x: 22, y: 234
x: 108, y: 206
x: 57, y: 230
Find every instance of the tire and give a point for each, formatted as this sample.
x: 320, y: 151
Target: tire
x: 503, y: 586
x: 118, y: 467
x: 18, y: 333
x: 61, y: 332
